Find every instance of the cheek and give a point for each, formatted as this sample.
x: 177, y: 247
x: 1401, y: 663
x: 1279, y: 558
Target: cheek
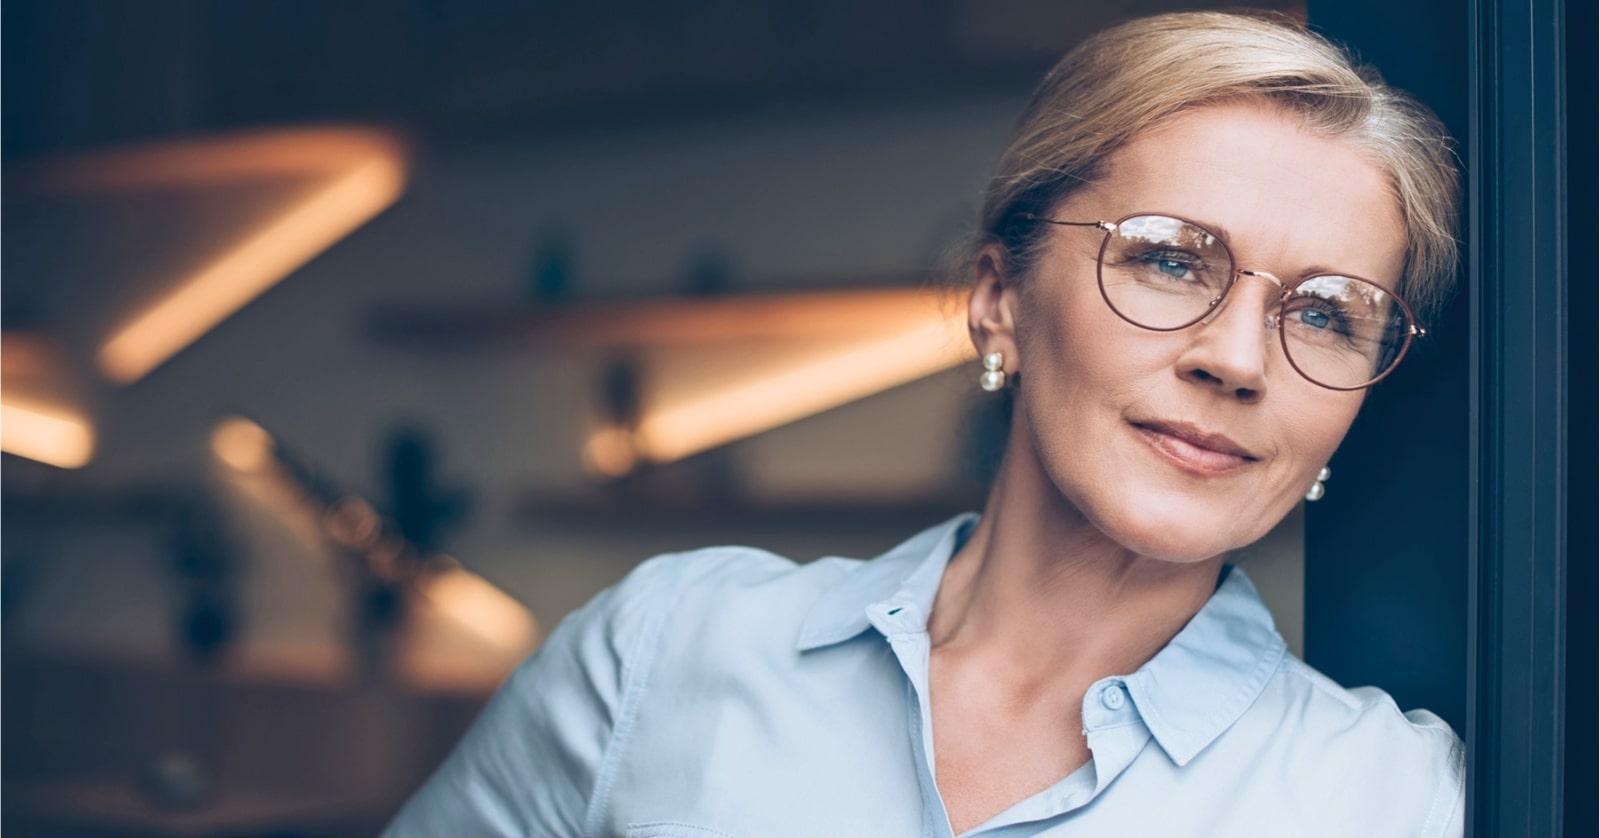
x: 1105, y: 365
x: 1082, y: 367
x: 1313, y: 424
x: 1075, y: 347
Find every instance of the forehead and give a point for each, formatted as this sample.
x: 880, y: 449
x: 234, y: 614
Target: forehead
x: 1287, y: 200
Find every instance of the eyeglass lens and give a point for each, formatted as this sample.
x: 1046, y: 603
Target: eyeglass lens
x: 1165, y: 273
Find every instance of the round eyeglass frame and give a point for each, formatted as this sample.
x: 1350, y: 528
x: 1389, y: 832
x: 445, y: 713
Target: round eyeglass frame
x: 1413, y: 331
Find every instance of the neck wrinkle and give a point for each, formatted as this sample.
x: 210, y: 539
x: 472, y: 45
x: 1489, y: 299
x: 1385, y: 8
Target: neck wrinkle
x: 1041, y: 591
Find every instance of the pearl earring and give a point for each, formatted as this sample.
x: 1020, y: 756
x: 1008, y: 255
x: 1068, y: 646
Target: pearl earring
x: 994, y: 374
x: 1317, y: 490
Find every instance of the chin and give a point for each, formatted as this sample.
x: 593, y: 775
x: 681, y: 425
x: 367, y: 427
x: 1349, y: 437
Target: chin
x: 1162, y: 547
x: 1179, y: 530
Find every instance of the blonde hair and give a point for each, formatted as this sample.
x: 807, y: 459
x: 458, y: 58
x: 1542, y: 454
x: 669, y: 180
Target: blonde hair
x: 1132, y: 77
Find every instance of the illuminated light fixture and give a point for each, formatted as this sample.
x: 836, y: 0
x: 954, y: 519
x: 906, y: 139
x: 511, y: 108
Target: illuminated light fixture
x: 350, y: 521
x: 610, y: 452
x: 471, y: 602
x: 358, y: 174
x: 49, y: 435
x: 353, y: 523
x: 242, y: 444
x: 37, y: 421
x: 826, y: 379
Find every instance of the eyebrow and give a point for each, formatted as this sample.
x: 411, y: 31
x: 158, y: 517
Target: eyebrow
x: 1211, y: 226
x: 1316, y: 269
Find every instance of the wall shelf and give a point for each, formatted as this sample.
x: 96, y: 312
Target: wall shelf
x: 668, y: 321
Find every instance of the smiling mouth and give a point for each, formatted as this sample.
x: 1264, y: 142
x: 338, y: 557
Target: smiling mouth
x: 1193, y: 450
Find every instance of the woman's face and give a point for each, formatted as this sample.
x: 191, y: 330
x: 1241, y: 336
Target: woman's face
x: 1183, y: 445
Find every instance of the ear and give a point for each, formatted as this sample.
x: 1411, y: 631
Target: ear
x: 991, y: 312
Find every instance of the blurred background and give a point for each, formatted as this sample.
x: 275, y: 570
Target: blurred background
x: 349, y: 346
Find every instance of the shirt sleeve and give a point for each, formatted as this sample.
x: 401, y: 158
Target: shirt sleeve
x: 1454, y: 788
x: 1442, y: 758
x: 536, y: 756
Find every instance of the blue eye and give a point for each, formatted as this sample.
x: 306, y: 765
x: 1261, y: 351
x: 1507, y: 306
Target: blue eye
x: 1169, y: 263
x: 1314, y: 318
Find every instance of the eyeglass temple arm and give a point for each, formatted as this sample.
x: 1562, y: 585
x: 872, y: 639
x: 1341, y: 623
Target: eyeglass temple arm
x: 1102, y: 225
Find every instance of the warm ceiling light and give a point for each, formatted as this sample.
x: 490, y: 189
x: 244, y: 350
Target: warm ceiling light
x: 242, y: 444
x: 266, y: 255
x: 49, y: 435
x: 353, y: 175
x: 478, y: 606
x: 609, y: 452
x: 829, y: 378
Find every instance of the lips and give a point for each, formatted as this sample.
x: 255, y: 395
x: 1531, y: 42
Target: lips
x: 1193, y: 449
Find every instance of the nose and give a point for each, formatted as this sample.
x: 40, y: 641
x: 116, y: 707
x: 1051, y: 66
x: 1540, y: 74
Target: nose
x: 1228, y: 349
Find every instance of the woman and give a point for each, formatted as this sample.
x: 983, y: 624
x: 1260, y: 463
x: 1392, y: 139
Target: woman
x: 1207, y: 238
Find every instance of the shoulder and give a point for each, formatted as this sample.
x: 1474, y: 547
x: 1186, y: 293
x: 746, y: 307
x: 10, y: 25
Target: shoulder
x: 728, y: 570
x: 720, y: 589
x: 1330, y: 707
x: 720, y: 574
x: 713, y: 594
x: 1360, y: 740
x: 567, y: 715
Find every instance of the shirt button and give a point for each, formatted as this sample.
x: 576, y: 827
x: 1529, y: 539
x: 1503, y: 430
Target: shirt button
x: 1112, y: 697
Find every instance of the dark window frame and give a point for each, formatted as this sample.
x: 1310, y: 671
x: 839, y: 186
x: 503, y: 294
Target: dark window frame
x: 1522, y: 354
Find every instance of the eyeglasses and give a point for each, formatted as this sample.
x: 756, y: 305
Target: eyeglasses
x: 1164, y: 273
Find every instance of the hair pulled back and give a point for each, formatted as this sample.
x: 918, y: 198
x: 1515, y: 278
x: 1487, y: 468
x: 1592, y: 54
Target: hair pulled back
x: 1132, y: 77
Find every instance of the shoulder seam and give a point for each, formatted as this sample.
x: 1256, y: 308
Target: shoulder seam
x: 1315, y: 680
x: 1306, y: 673
x: 641, y: 658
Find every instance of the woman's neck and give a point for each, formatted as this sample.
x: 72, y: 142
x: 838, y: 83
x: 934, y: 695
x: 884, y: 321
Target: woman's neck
x: 1046, y: 596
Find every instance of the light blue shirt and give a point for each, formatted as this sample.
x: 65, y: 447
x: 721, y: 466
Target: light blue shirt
x: 732, y: 692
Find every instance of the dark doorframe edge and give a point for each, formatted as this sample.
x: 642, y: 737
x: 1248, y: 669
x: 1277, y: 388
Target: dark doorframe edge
x: 1582, y: 764
x: 1518, y: 550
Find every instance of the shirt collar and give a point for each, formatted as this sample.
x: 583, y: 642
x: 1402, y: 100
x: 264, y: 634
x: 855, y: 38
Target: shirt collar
x: 909, y: 574
x: 1211, y: 672
x: 1188, y: 694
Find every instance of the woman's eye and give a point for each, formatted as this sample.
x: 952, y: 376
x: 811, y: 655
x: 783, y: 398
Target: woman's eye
x: 1169, y: 264
x: 1315, y: 319
x: 1172, y: 268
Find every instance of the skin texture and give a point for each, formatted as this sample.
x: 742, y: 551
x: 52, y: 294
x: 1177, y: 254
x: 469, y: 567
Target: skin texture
x: 1102, y: 538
